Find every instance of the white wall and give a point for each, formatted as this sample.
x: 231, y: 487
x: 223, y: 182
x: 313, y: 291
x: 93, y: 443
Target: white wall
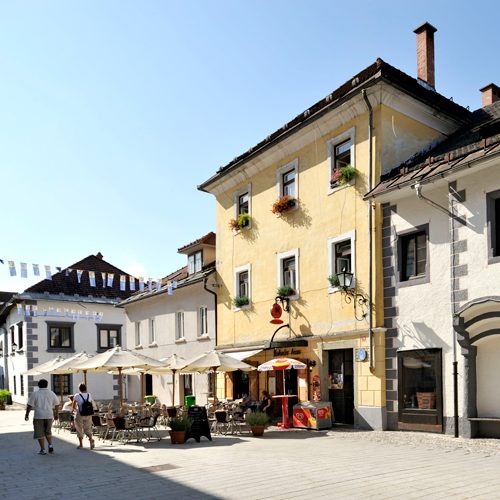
x: 85, y: 339
x: 163, y: 308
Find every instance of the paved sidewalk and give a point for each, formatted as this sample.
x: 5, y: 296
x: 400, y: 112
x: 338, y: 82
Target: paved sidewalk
x: 280, y: 465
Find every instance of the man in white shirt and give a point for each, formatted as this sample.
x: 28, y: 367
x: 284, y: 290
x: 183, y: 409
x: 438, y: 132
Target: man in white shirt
x: 46, y: 407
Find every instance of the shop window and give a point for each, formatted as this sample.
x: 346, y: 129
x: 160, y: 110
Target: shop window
x: 420, y: 388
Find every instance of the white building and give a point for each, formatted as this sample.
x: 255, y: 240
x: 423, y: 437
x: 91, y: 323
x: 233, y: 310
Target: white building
x: 61, y: 317
x: 441, y: 252
x: 159, y: 324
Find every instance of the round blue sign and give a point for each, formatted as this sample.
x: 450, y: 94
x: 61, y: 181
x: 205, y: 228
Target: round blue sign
x: 360, y: 354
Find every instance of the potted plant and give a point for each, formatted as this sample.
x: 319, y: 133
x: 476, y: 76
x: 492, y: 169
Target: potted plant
x: 334, y: 280
x: 179, y: 426
x: 257, y: 421
x: 283, y: 204
x: 5, y: 396
x: 241, y: 300
x: 343, y: 175
x: 285, y: 291
x: 241, y: 222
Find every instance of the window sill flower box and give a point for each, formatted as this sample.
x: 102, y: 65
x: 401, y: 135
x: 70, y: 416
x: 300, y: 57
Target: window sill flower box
x: 284, y: 204
x: 242, y: 222
x: 342, y: 176
x: 241, y: 301
x: 285, y: 291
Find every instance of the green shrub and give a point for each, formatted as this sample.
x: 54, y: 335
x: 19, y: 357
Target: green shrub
x: 257, y: 418
x: 4, y: 395
x: 285, y: 291
x: 241, y: 300
x: 180, y: 424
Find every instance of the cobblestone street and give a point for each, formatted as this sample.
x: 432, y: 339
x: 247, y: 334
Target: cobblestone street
x: 282, y: 464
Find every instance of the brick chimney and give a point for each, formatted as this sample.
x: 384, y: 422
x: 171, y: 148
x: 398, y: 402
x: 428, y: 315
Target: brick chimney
x: 489, y: 94
x: 100, y: 255
x: 425, y: 54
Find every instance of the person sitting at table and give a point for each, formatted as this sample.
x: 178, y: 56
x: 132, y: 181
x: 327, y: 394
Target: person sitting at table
x: 68, y: 405
x: 246, y: 402
x: 266, y: 403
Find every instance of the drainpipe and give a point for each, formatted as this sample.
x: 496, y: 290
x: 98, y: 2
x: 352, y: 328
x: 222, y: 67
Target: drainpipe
x: 370, y: 227
x: 215, y: 304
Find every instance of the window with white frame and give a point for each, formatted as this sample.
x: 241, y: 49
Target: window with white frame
x: 341, y: 158
x: 287, y: 179
x: 242, y: 290
x: 152, y: 332
x: 195, y: 262
x: 203, y: 321
x: 179, y: 325
x: 341, y: 256
x: 137, y: 333
x: 243, y: 203
x: 288, y: 271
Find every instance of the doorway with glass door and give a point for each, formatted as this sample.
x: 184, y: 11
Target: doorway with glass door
x: 341, y: 390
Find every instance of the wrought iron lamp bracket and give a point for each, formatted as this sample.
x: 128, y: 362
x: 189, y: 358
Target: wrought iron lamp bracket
x: 359, y: 301
x: 284, y: 301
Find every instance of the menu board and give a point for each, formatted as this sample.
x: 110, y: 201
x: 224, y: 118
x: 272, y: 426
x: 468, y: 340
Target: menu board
x: 199, y: 426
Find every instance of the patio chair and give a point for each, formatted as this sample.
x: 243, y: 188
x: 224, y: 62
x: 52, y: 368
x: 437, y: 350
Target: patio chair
x: 237, y: 421
x: 221, y: 422
x: 100, y: 426
x: 65, y: 418
x: 147, y: 426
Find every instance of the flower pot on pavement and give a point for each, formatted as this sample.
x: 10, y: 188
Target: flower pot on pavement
x: 177, y: 437
x: 257, y: 430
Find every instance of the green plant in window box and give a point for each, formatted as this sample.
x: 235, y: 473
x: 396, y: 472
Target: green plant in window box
x: 343, y: 175
x: 240, y: 223
x: 285, y: 291
x: 241, y: 300
x: 334, y: 280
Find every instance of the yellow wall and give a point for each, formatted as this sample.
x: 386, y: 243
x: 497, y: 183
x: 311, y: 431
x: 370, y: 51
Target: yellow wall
x: 320, y: 216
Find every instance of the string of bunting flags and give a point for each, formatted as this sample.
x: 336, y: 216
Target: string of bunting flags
x: 59, y: 312
x: 107, y: 279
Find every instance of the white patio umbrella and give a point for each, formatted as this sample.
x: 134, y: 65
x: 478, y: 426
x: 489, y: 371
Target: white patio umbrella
x: 215, y: 361
x: 44, y: 367
x: 117, y: 359
x: 174, y: 363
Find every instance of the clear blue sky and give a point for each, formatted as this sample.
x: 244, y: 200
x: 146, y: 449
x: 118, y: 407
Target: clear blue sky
x: 112, y: 112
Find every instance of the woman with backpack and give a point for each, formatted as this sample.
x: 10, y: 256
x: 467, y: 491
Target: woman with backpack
x: 84, y: 407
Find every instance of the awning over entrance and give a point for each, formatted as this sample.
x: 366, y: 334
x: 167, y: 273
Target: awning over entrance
x: 241, y: 355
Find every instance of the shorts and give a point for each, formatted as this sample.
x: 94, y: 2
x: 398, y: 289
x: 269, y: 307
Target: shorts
x: 42, y: 427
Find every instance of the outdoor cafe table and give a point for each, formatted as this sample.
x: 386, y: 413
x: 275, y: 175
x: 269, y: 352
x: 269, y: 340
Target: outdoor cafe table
x: 284, y: 409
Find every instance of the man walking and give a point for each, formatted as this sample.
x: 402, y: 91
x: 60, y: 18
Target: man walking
x: 46, y: 407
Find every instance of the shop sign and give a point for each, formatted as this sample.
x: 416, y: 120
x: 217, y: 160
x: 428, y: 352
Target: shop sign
x: 286, y: 352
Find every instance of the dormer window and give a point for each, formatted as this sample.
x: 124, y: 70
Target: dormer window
x: 195, y: 262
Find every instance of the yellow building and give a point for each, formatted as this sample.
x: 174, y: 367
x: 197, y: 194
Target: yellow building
x: 322, y: 162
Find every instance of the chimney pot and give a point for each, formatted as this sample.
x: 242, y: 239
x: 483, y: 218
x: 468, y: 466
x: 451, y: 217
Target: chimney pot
x: 425, y: 54
x: 99, y: 255
x: 490, y: 94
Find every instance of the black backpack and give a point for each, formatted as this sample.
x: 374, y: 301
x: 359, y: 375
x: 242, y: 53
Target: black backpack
x: 87, y: 408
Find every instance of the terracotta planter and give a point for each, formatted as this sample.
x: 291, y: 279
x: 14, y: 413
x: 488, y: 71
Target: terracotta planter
x: 177, y: 437
x: 2, y: 406
x: 257, y: 430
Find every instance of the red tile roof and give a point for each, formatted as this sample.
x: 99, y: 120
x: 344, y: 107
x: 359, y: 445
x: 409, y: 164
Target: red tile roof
x: 208, y: 239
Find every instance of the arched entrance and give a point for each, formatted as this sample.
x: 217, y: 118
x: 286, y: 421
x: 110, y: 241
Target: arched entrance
x: 477, y: 325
